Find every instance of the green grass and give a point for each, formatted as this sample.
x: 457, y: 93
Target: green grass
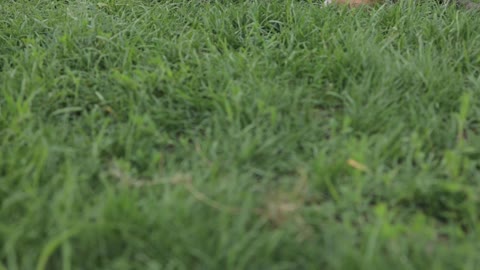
x: 238, y: 135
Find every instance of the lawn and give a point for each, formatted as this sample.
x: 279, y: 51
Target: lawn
x: 138, y: 134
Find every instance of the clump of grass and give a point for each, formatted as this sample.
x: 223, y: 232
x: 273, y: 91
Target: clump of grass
x: 238, y: 135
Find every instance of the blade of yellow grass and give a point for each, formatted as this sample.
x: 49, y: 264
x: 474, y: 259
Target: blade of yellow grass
x: 357, y: 165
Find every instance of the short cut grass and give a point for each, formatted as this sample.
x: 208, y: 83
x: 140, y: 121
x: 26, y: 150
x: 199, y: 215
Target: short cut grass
x: 139, y: 134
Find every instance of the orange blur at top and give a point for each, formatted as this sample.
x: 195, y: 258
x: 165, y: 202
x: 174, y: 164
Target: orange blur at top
x: 355, y: 3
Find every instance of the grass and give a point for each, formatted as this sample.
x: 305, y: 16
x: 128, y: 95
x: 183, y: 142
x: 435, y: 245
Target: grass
x: 140, y: 134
